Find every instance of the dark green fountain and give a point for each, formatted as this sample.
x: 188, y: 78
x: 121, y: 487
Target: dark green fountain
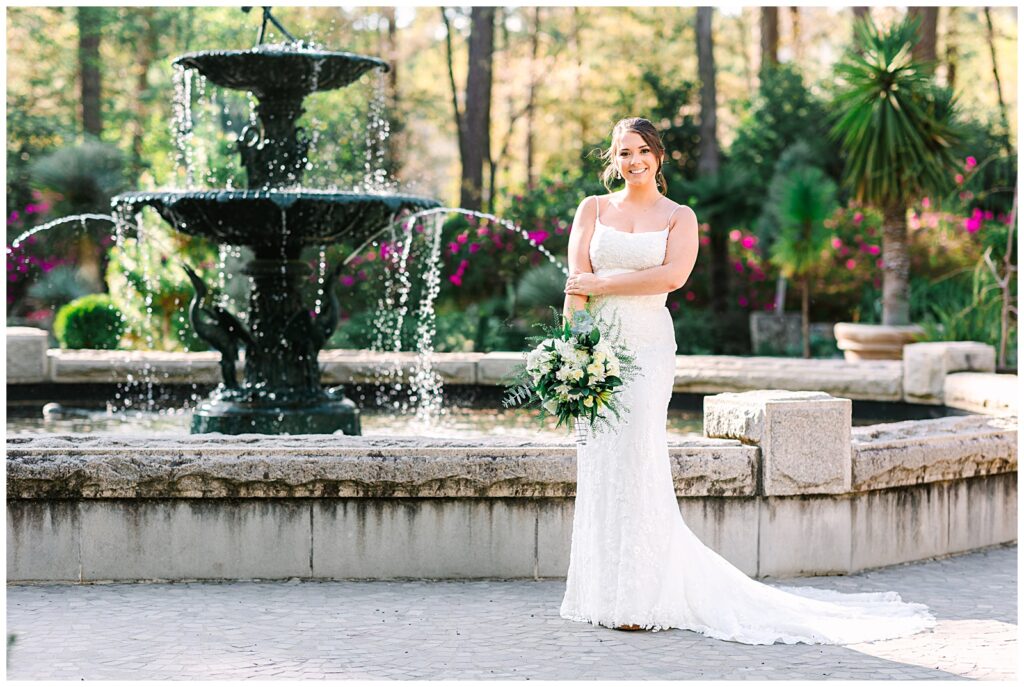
x: 280, y: 390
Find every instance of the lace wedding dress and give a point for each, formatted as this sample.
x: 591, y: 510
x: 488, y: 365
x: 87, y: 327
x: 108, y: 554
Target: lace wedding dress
x: 633, y: 559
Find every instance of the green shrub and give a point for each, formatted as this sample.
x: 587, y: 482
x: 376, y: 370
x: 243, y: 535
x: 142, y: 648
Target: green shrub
x: 91, y: 321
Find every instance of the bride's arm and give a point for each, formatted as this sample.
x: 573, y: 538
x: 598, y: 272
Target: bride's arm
x: 680, y: 257
x: 579, y: 250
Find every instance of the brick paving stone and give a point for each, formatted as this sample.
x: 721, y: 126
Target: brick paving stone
x: 481, y: 630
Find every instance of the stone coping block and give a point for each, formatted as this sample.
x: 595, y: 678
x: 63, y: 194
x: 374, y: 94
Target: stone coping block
x: 27, y: 361
x: 117, y: 367
x: 874, y: 380
x: 258, y: 466
x: 947, y: 448
x: 804, y: 437
x: 925, y: 366
x: 981, y: 392
x: 496, y: 367
x: 347, y: 366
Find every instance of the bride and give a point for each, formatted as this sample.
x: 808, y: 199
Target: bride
x: 634, y: 563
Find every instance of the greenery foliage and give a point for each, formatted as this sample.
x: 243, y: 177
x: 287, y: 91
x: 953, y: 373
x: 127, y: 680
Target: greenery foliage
x: 91, y: 321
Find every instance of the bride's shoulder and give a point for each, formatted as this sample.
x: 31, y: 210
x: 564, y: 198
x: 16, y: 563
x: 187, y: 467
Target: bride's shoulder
x: 681, y: 214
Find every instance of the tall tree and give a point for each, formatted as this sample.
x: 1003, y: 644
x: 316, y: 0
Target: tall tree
x: 769, y: 37
x: 952, y: 56
x: 473, y: 121
x: 709, y: 160
x: 990, y: 34
x: 860, y: 13
x: 477, y: 137
x: 389, y: 37
x: 90, y: 24
x: 531, y: 102
x: 925, y: 48
x: 146, y: 46
x: 794, y: 25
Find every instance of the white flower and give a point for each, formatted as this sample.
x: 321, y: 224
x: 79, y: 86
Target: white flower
x: 563, y: 392
x: 596, y: 371
x: 534, y: 359
x: 613, y: 368
x: 563, y: 373
x: 551, y: 405
x: 566, y: 349
x: 588, y: 401
x: 603, y: 347
x: 599, y: 356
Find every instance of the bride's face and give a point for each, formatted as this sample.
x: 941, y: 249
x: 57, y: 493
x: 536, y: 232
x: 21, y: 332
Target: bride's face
x: 635, y: 160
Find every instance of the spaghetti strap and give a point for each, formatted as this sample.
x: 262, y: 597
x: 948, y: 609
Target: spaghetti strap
x: 597, y: 204
x: 668, y: 224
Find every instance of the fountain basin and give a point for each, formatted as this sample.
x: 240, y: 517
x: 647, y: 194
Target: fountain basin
x: 89, y: 508
x: 269, y: 70
x: 276, y: 221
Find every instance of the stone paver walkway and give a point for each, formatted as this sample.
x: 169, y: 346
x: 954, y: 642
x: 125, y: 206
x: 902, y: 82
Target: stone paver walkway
x: 480, y: 629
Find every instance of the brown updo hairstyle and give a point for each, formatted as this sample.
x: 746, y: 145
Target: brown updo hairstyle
x: 652, y: 138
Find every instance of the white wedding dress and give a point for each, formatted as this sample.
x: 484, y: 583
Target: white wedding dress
x: 633, y: 559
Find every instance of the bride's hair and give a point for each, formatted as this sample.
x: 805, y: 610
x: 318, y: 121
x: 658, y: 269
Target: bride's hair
x: 637, y: 125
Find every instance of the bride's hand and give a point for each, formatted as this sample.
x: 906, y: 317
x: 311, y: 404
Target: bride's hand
x: 583, y: 284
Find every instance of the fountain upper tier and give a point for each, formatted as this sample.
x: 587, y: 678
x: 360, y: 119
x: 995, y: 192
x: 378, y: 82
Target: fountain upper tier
x: 274, y: 221
x: 272, y: 70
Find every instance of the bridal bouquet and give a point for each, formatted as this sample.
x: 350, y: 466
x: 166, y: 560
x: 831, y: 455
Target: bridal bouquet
x: 572, y: 373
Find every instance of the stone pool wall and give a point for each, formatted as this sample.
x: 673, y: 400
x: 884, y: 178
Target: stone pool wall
x: 783, y: 485
x: 921, y: 377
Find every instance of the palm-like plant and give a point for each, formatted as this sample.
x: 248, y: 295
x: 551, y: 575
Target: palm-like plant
x: 808, y: 198
x: 897, y: 130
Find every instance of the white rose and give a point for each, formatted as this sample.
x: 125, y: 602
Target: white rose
x: 563, y: 373
x: 575, y: 374
x: 613, y: 368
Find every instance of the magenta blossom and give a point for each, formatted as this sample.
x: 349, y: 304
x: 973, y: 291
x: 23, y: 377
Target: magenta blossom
x: 462, y: 238
x: 970, y: 163
x: 347, y: 280
x: 749, y: 241
x: 851, y: 264
x: 538, y: 236
x: 455, y: 279
x: 742, y: 300
x: 453, y: 248
x: 473, y: 247
x: 959, y: 178
x: 837, y: 242
x: 858, y: 217
x: 735, y: 235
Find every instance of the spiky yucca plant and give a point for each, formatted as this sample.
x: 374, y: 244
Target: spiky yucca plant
x: 897, y: 129
x: 808, y: 198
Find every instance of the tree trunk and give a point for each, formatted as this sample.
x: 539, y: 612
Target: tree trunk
x: 477, y: 135
x: 708, y: 161
x: 531, y: 178
x: 794, y: 24
x: 924, y: 49
x: 577, y: 45
x: 748, y: 68
x: 860, y: 13
x: 895, y: 267
x: 951, y: 48
x: 805, y: 316
x: 991, y: 34
x: 456, y: 110
x: 394, y: 152
x: 769, y: 37
x: 145, y: 54
x: 90, y: 23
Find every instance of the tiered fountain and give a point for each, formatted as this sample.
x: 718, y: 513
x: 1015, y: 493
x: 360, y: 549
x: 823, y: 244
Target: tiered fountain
x: 280, y: 392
